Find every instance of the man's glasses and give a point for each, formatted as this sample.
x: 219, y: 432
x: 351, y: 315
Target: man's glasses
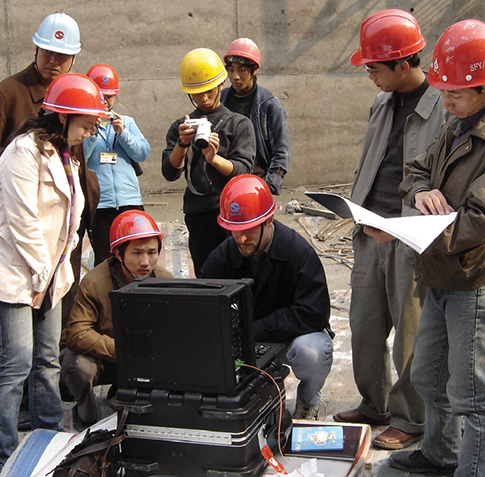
x: 373, y: 71
x: 370, y: 70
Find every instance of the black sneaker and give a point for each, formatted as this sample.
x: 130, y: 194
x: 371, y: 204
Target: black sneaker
x: 23, y: 423
x: 416, y: 462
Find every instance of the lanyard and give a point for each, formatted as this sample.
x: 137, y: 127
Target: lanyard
x: 106, y: 139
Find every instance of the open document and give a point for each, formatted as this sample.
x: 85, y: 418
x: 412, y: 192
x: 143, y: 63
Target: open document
x: 418, y: 232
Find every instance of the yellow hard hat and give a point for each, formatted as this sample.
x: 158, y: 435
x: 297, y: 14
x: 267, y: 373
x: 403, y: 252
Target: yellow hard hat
x: 201, y: 70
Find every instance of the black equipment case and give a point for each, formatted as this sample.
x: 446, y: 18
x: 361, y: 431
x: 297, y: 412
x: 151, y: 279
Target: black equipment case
x: 204, y: 435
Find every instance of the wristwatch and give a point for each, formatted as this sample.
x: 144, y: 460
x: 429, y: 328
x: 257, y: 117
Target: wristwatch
x: 182, y: 144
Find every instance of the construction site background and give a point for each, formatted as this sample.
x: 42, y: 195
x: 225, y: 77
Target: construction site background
x: 305, y: 49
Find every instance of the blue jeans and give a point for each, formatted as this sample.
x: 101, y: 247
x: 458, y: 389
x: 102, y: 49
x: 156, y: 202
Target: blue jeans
x: 29, y: 349
x: 310, y: 357
x: 448, y: 372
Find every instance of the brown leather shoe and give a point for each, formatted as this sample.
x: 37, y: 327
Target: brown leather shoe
x: 355, y: 416
x: 393, y: 439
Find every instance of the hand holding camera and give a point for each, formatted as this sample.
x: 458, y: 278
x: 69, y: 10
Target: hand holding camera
x: 116, y: 121
x: 203, y: 128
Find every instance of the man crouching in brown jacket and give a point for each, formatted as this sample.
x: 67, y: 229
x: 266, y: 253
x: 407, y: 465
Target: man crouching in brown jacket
x: 90, y: 356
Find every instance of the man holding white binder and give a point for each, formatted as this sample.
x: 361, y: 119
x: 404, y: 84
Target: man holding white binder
x: 404, y: 119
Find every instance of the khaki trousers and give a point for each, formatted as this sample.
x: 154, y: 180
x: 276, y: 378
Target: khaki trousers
x: 385, y: 295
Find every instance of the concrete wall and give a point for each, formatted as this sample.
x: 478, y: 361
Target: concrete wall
x: 305, y: 46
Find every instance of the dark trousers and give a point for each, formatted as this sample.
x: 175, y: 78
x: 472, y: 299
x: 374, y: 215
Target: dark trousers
x: 76, y: 255
x: 205, y: 234
x: 101, y: 225
x: 81, y: 373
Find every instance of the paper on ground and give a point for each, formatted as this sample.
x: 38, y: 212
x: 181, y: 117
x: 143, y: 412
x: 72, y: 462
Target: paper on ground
x: 418, y: 232
x: 308, y: 469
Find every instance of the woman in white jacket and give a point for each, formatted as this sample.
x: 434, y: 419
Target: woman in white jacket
x: 40, y: 208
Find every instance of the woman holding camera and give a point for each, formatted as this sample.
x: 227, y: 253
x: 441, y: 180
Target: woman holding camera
x: 113, y: 153
x: 40, y: 209
x: 230, y: 150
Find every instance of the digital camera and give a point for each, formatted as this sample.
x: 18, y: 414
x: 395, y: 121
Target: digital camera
x: 203, y: 129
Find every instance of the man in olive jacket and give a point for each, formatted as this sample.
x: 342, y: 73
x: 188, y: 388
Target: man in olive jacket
x: 403, y: 121
x: 90, y: 357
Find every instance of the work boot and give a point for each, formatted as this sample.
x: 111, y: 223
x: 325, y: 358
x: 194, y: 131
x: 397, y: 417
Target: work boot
x: 393, y: 439
x: 356, y: 417
x: 303, y: 411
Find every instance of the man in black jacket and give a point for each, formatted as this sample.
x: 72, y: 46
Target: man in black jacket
x: 290, y: 294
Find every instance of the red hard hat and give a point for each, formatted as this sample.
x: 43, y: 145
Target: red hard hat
x: 132, y: 225
x: 245, y: 48
x: 72, y: 93
x: 459, y: 57
x: 106, y: 78
x: 246, y: 201
x: 388, y: 35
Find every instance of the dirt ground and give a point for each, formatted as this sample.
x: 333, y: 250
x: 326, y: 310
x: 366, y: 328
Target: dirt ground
x: 167, y: 207
x: 335, y: 251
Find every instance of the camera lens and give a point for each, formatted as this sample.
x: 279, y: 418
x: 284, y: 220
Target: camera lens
x: 201, y: 143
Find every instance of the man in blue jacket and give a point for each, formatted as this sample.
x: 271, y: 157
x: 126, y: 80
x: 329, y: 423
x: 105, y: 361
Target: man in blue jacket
x: 268, y: 116
x: 290, y: 294
x: 113, y: 153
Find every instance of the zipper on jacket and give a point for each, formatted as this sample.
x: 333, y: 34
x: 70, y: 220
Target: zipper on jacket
x: 447, y: 156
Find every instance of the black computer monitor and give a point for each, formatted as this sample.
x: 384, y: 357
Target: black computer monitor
x: 184, y: 334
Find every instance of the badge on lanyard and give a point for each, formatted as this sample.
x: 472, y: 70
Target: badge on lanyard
x: 108, y: 158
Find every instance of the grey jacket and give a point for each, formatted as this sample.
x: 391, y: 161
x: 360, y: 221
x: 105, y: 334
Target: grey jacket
x: 419, y: 132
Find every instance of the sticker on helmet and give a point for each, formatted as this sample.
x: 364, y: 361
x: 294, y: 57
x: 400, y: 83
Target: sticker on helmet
x: 235, y: 208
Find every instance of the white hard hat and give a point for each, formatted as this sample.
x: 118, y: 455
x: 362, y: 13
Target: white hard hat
x: 58, y: 32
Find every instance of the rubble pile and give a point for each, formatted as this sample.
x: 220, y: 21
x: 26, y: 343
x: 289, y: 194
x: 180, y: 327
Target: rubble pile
x: 330, y: 234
